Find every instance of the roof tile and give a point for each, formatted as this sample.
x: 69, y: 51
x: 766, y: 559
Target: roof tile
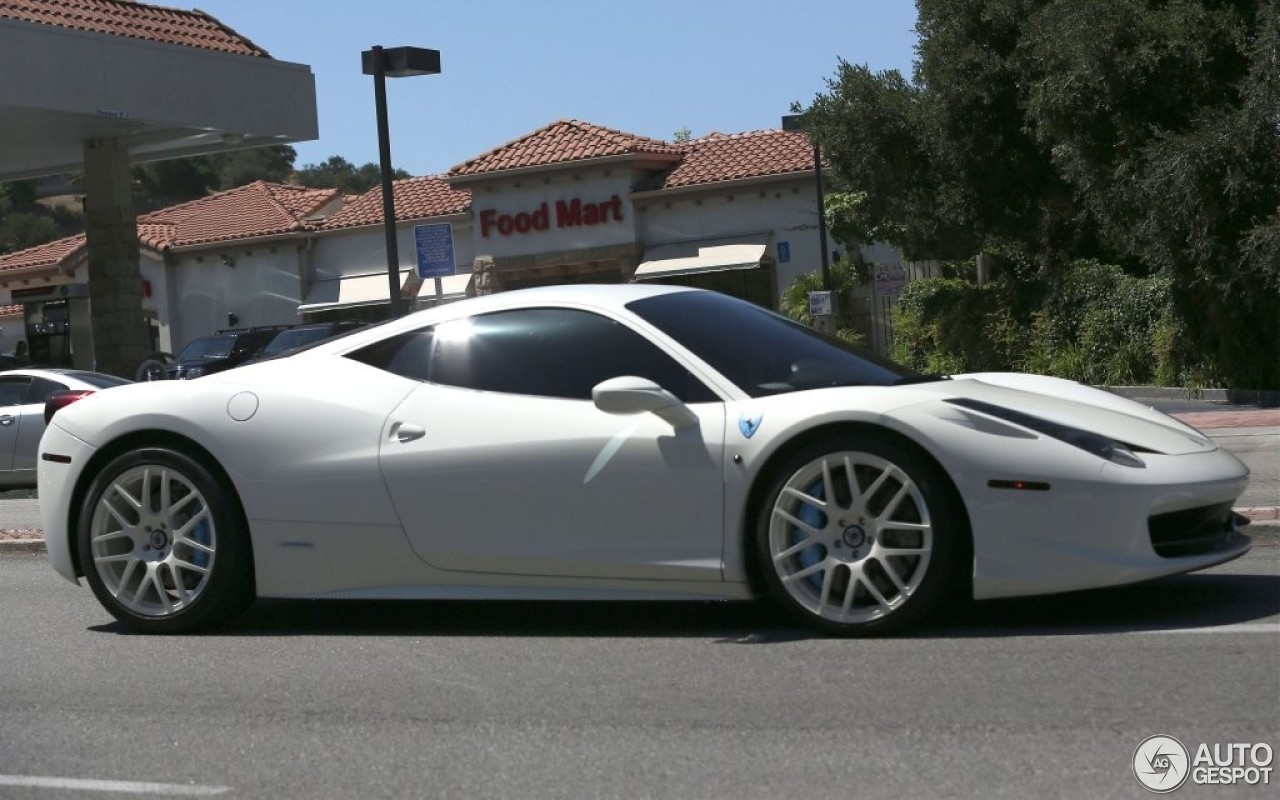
x: 560, y: 142
x: 246, y: 212
x: 136, y: 21
x: 726, y: 157
x: 43, y: 255
x: 415, y: 198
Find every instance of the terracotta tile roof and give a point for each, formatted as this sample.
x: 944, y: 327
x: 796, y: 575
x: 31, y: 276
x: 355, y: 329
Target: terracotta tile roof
x: 44, y: 255
x: 245, y: 212
x: 134, y: 20
x: 6, y: 311
x: 415, y: 198
x: 726, y: 157
x: 560, y: 142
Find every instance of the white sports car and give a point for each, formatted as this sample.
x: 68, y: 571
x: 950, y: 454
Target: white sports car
x: 619, y: 442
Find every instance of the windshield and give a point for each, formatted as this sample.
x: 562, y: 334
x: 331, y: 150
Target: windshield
x: 208, y: 347
x: 296, y: 337
x: 763, y: 352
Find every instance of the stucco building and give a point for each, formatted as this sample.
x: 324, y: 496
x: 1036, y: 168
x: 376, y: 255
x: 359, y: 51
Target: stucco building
x: 569, y: 202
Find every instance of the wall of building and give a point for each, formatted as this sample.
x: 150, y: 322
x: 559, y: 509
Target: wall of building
x: 362, y: 251
x: 260, y: 286
x: 11, y: 332
x: 783, y: 210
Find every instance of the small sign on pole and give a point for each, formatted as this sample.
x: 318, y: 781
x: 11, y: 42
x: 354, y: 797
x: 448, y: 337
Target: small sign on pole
x: 434, y: 245
x: 820, y: 304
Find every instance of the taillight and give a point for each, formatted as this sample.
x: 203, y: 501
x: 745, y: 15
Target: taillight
x: 62, y: 400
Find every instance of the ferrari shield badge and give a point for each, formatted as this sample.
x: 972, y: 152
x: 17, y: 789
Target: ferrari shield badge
x: 749, y: 425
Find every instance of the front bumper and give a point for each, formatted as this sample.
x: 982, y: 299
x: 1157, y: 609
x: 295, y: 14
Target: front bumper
x: 62, y: 459
x: 1093, y: 527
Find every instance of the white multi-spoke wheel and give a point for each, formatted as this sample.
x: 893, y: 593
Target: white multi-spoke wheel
x: 162, y: 544
x: 857, y: 535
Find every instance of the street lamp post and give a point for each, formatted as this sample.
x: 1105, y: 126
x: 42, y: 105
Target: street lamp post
x: 394, y: 62
x: 793, y: 122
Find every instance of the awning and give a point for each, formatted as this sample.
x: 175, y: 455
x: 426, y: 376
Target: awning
x: 349, y: 292
x: 692, y: 258
x: 371, y: 290
x: 454, y: 287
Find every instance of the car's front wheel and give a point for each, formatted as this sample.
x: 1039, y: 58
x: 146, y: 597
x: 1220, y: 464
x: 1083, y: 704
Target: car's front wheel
x: 162, y: 543
x: 858, y: 535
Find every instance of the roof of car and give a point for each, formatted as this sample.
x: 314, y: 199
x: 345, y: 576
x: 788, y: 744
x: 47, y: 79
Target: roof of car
x: 610, y: 296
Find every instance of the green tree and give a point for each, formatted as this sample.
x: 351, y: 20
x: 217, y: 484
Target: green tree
x: 1144, y: 133
x: 22, y: 229
x: 159, y: 184
x: 338, y: 173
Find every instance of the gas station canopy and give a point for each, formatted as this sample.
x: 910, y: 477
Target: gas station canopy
x: 167, y: 83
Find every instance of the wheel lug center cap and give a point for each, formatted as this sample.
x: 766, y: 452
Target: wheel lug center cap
x: 158, y: 540
x: 854, y: 536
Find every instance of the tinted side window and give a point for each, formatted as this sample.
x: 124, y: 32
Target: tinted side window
x: 552, y: 352
x: 41, y: 389
x: 408, y: 354
x: 13, y: 391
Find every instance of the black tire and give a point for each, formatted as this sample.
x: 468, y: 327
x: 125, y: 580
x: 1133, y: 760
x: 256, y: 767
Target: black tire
x: 859, y: 567
x: 178, y: 569
x: 152, y: 367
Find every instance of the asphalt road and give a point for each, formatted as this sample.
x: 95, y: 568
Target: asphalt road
x: 1039, y: 698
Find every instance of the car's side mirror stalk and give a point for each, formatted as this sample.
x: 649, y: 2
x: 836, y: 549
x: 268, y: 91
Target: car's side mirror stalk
x: 631, y: 395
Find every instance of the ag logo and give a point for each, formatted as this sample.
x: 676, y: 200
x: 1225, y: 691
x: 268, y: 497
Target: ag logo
x: 1161, y: 764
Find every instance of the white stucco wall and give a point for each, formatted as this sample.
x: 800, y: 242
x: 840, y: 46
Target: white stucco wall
x: 261, y: 289
x: 786, y: 210
x: 11, y: 331
x: 362, y: 251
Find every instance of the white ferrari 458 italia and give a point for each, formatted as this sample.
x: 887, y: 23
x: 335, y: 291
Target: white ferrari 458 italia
x: 619, y: 443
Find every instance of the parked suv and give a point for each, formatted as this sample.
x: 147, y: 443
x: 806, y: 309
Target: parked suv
x: 220, y: 351
x: 299, y: 337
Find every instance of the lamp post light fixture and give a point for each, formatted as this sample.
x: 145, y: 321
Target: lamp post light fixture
x: 393, y: 62
x: 794, y: 122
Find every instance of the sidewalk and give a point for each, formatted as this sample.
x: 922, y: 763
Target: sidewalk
x: 20, y: 532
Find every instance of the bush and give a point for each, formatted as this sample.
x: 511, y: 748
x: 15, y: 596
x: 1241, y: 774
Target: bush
x: 1094, y: 323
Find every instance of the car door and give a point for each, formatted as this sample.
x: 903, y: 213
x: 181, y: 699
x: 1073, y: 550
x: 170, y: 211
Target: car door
x: 501, y: 462
x: 14, y: 422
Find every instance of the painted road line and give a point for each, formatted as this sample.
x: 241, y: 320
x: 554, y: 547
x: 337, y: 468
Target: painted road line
x: 131, y: 787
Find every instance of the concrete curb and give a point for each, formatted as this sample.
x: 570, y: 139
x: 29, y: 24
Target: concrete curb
x: 1266, y: 398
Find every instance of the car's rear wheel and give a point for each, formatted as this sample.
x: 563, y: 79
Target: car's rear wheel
x: 858, y: 535
x: 163, y: 545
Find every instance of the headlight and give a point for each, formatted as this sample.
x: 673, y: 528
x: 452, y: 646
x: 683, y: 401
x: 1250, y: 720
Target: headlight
x: 1101, y: 446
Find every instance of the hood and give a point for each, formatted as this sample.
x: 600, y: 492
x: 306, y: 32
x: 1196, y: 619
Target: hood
x: 1079, y: 406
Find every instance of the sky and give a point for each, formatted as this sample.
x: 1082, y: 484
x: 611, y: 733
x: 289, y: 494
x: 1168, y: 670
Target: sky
x: 510, y: 67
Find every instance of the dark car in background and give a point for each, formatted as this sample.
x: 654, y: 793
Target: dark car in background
x: 298, y: 337
x: 220, y: 351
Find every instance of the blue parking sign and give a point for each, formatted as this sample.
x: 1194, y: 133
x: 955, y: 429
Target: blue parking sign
x: 434, y: 244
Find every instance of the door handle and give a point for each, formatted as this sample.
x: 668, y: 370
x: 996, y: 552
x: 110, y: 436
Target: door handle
x: 7, y: 420
x: 407, y: 433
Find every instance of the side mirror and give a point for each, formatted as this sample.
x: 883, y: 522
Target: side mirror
x: 631, y: 395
